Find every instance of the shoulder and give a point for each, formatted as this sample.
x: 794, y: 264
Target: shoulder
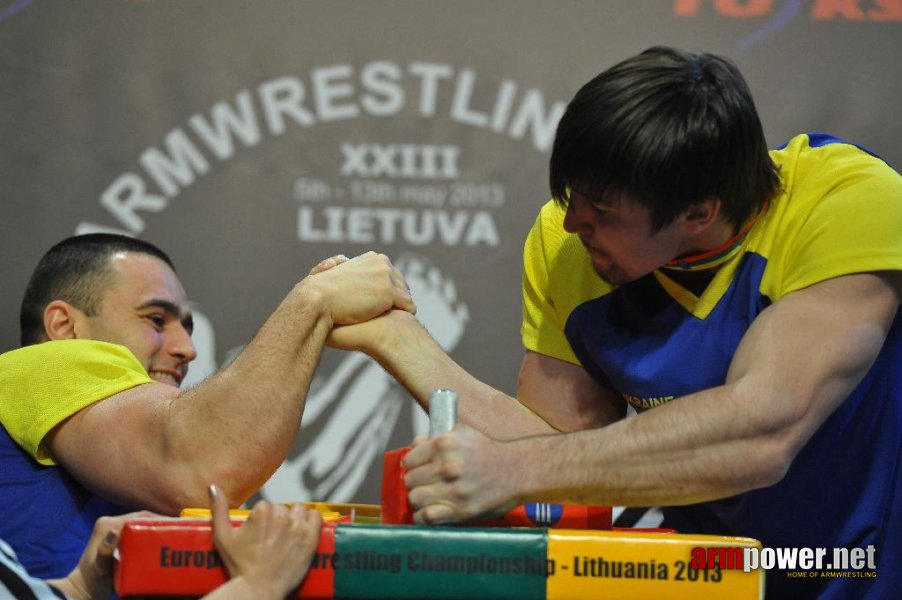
x: 839, y: 212
x: 817, y: 164
x: 43, y: 384
x: 826, y: 178
x: 558, y: 276
x: 66, y: 359
x: 550, y: 247
x: 547, y: 234
x: 65, y: 349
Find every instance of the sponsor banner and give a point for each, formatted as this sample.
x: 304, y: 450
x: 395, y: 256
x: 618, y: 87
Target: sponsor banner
x: 452, y: 563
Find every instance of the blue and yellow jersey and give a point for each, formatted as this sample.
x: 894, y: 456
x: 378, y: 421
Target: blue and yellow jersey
x: 48, y: 516
x: 839, y: 212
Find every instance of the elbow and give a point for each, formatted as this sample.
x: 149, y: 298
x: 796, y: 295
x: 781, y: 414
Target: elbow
x: 192, y: 490
x: 771, y: 440
x: 773, y: 457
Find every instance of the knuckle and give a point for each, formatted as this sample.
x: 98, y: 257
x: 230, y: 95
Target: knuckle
x: 451, y: 469
x: 460, y: 492
x: 414, y: 497
x: 446, y: 443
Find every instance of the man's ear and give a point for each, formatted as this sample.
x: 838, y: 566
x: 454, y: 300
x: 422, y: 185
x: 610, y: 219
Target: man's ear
x: 62, y: 321
x: 701, y: 215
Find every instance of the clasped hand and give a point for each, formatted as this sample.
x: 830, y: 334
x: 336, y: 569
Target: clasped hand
x: 361, y: 288
x: 459, y: 476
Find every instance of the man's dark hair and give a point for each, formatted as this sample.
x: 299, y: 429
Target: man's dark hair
x: 668, y: 129
x: 78, y: 271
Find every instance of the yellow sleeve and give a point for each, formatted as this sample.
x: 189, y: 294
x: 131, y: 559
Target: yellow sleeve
x: 557, y: 277
x: 44, y: 384
x: 855, y: 224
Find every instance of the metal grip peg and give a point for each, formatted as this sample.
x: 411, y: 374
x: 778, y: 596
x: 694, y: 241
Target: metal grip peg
x: 442, y: 412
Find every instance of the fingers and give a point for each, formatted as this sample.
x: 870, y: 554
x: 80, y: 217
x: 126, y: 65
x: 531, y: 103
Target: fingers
x: 104, y: 537
x: 264, y: 514
x: 107, y: 530
x: 314, y: 521
x: 309, y: 522
x: 436, y: 513
x: 328, y: 263
x: 306, y: 518
x: 422, y: 453
x: 428, y: 490
x: 222, y: 524
x: 455, y: 477
x: 402, y: 297
x: 365, y: 255
x: 361, y: 288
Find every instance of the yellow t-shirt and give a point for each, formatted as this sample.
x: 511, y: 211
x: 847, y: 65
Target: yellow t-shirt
x: 44, y: 384
x: 839, y: 212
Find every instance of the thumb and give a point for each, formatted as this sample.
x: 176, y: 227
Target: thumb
x: 105, y: 551
x: 222, y: 524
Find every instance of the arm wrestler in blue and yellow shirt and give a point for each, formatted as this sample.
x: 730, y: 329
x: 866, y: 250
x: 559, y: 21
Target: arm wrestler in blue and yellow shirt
x: 653, y: 341
x: 743, y: 301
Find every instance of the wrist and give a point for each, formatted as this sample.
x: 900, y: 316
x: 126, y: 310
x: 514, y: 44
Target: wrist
x: 385, y: 339
x: 527, y: 484
x: 310, y: 298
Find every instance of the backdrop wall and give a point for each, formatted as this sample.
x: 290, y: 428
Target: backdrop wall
x: 251, y: 139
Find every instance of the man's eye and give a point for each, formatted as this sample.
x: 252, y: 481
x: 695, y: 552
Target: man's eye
x: 601, y: 211
x: 157, y: 320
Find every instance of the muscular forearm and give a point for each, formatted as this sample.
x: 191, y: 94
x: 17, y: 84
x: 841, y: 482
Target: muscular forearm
x: 697, y: 448
x: 411, y: 356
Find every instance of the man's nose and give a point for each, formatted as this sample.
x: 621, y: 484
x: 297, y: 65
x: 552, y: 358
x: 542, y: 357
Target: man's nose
x: 181, y: 345
x: 575, y: 220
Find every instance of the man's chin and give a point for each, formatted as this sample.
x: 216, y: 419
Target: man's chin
x: 613, y: 276
x: 165, y: 379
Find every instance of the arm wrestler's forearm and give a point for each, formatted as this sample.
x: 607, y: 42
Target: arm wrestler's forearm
x: 411, y: 356
x: 656, y: 458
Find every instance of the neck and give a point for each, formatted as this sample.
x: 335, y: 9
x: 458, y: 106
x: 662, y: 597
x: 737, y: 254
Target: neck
x: 714, y: 245
x: 717, y: 236
x: 695, y: 268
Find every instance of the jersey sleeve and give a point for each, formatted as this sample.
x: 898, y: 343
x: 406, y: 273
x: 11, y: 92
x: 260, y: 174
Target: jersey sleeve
x: 542, y: 330
x: 44, y: 384
x: 855, y: 225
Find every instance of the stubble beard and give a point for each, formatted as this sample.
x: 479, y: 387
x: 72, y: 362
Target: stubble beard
x: 612, y: 275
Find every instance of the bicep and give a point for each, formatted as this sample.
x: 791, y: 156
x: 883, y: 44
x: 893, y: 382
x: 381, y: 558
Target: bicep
x: 116, y: 446
x: 808, y: 351
x: 565, y: 395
